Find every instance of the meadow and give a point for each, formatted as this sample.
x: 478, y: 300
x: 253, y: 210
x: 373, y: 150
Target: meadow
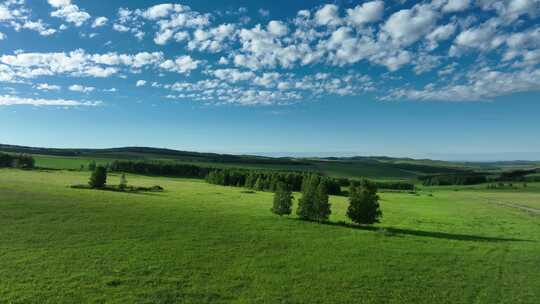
x: 202, y: 243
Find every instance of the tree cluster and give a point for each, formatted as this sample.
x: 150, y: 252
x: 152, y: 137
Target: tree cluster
x: 160, y: 168
x: 266, y: 180
x: 454, y: 179
x: 314, y: 204
x: 22, y: 161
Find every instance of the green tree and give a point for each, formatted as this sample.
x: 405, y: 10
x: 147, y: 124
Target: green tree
x: 306, y: 204
x: 322, y: 204
x: 282, y: 200
x: 123, y: 182
x: 259, y: 184
x: 364, y: 204
x: 98, y: 179
x: 92, y: 166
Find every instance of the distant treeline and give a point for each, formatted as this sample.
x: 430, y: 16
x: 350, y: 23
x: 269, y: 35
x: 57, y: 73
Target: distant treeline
x: 517, y: 175
x: 160, y: 168
x: 263, y: 180
x: 143, y: 152
x: 470, y: 178
x: 16, y: 161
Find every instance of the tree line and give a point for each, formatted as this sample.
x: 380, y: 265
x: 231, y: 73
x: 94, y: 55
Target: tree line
x: 22, y: 161
x: 160, y: 168
x: 267, y: 180
x: 261, y: 180
x: 471, y: 178
x: 314, y: 205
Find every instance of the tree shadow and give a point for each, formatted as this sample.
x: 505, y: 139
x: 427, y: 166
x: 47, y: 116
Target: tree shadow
x: 391, y: 231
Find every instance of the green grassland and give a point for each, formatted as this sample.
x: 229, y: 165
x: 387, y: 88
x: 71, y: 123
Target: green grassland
x: 202, y: 243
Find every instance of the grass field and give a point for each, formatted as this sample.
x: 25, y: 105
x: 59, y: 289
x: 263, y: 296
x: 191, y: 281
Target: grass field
x: 201, y: 243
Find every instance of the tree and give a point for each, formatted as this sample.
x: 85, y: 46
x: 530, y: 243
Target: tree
x: 322, y: 204
x: 123, y: 182
x: 306, y: 204
x: 98, y: 179
x: 282, y: 200
x: 364, y: 204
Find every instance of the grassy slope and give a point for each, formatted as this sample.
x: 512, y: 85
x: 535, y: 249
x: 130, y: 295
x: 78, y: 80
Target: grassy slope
x: 201, y: 243
x: 371, y: 167
x: 349, y: 169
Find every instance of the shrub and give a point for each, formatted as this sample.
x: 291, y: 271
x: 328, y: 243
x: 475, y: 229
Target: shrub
x: 282, y: 200
x: 98, y: 179
x: 364, y: 204
x: 123, y: 182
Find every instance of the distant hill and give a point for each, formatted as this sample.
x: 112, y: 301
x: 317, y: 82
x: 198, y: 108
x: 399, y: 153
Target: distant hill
x: 377, y: 167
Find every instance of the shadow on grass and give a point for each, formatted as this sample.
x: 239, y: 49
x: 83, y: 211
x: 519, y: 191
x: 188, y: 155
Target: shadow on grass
x: 390, y: 231
x: 154, y: 190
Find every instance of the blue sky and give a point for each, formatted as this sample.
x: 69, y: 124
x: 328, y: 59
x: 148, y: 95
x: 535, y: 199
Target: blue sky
x: 452, y: 79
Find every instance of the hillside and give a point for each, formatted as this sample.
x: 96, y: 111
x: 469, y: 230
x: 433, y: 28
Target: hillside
x: 353, y: 167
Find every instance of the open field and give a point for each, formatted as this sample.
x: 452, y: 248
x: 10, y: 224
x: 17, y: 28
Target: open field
x: 201, y: 243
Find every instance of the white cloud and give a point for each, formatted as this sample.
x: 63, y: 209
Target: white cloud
x: 441, y: 33
x: 328, y: 15
x: 483, y: 84
x: 100, y: 21
x: 120, y: 28
x: 140, y: 83
x: 233, y: 75
x: 163, y: 37
x: 183, y: 64
x: 5, y: 14
x: 59, y: 3
x: 277, y: 28
x: 81, y: 88
x: 39, y: 27
x: 47, y: 87
x: 8, y: 100
x: 456, y: 6
x: 409, y: 25
x: 2, y: 36
x: 366, y: 13
x: 69, y: 12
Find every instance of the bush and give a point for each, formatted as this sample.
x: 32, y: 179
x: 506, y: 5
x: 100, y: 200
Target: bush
x: 123, y: 182
x: 282, y: 200
x: 364, y: 204
x: 98, y: 179
x: 17, y: 161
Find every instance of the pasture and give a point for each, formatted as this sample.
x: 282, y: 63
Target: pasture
x: 201, y: 243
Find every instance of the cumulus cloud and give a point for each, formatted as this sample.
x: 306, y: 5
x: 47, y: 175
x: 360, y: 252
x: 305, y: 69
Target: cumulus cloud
x: 182, y: 65
x: 456, y: 6
x: 366, y: 13
x: 409, y: 25
x: 328, y: 15
x: 99, y: 22
x: 69, y: 12
x: 140, y: 83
